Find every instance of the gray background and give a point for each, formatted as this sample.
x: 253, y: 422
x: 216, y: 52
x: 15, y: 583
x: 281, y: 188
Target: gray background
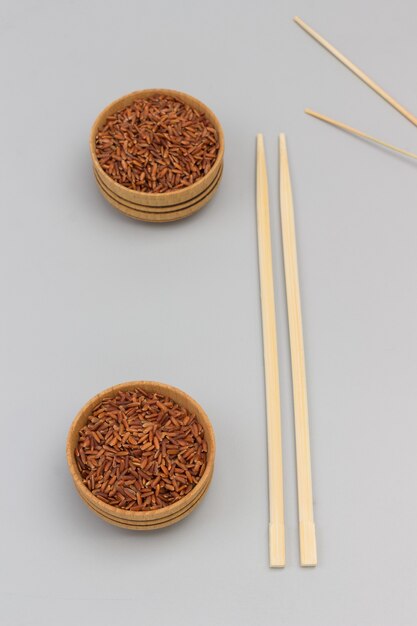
x: 91, y: 298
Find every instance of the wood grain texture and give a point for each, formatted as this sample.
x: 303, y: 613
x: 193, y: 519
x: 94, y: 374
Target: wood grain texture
x: 160, y: 215
x: 359, y: 133
x: 144, y: 520
x: 171, y: 517
x: 308, y: 551
x: 358, y: 72
x: 151, y: 525
x: 276, y: 496
x: 165, y: 209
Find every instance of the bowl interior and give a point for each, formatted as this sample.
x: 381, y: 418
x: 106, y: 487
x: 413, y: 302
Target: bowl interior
x: 154, y: 387
x: 124, y: 101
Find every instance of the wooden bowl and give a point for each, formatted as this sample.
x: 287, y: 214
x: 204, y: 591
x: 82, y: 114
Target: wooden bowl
x: 117, y: 193
x: 143, y: 520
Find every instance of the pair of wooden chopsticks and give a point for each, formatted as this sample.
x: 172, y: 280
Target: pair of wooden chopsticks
x: 307, y: 535
x: 368, y: 81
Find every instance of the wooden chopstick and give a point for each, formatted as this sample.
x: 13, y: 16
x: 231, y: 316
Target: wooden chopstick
x: 307, y: 532
x: 358, y: 72
x: 359, y: 133
x: 276, y: 496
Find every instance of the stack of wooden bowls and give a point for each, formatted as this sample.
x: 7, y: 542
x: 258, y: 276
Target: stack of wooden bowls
x: 158, y: 207
x: 142, y: 520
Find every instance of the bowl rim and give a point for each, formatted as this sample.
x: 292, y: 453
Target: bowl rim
x: 167, y: 208
x: 159, y: 217
x: 151, y: 524
x: 143, y: 93
x: 151, y: 527
x: 154, y: 514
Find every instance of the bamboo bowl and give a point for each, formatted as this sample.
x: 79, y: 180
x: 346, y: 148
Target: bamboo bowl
x: 143, y: 520
x: 158, y: 207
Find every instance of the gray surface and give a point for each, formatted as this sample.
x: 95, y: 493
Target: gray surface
x: 91, y: 298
